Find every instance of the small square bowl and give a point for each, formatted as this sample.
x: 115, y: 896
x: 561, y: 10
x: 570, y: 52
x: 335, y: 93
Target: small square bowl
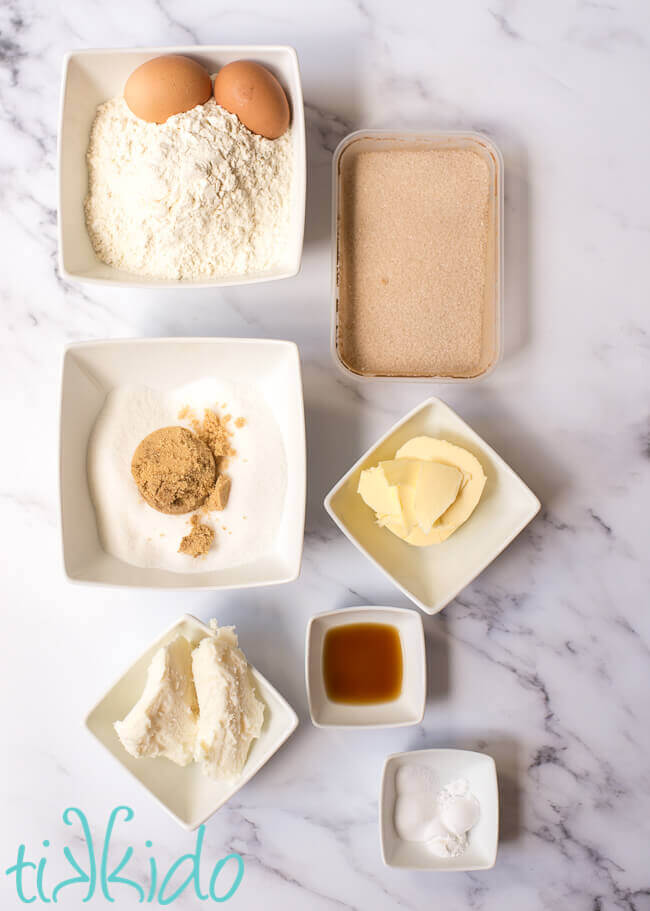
x: 91, y: 77
x: 268, y: 367
x: 407, y: 709
x: 186, y: 793
x: 480, y: 771
x: 432, y: 576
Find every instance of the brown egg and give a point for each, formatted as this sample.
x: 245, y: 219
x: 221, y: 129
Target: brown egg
x: 254, y: 94
x: 166, y: 86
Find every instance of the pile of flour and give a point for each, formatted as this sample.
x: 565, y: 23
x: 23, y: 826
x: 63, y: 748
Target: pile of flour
x: 132, y: 531
x: 196, y: 197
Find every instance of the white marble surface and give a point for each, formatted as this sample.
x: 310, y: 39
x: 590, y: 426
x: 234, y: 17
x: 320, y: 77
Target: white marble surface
x: 543, y: 662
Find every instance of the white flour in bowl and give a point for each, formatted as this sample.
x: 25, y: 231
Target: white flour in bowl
x: 199, y: 196
x: 133, y: 531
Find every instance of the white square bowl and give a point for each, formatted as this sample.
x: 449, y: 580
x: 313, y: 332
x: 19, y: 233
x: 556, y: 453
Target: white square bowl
x: 432, y: 576
x: 186, y: 793
x: 93, y: 76
x: 92, y: 369
x: 407, y: 709
x: 480, y: 771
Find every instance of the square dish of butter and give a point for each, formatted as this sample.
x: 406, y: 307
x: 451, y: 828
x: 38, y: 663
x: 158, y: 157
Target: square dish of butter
x: 431, y: 505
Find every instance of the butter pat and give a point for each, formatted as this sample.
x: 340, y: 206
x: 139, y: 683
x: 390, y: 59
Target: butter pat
x: 426, y: 492
x: 230, y: 714
x: 163, y: 721
x: 409, y: 493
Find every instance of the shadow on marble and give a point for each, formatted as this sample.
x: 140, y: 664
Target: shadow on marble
x: 437, y: 644
x: 326, y: 124
x: 517, y: 231
x: 506, y: 752
x: 526, y: 448
x: 333, y: 442
x: 324, y: 129
x: 270, y: 637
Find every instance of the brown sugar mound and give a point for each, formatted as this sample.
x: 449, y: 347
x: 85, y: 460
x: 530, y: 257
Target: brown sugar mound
x: 199, y: 541
x: 175, y: 470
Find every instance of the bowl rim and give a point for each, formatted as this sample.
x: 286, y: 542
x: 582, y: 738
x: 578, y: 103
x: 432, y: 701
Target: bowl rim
x: 488, y: 759
x: 298, y: 118
x: 293, y: 722
x: 361, y: 609
x: 431, y: 401
x: 296, y: 561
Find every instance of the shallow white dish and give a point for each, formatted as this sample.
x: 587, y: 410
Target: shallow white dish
x: 480, y: 771
x: 93, y: 76
x: 407, y: 709
x: 270, y: 368
x: 432, y: 576
x: 185, y: 793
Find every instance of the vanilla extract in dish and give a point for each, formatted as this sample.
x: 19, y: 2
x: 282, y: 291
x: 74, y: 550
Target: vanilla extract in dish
x: 362, y: 663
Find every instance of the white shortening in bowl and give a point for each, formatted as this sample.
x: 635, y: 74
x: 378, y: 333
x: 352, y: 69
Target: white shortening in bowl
x: 185, y: 792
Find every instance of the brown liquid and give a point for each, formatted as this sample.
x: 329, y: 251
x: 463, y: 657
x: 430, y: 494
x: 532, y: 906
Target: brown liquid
x: 362, y: 663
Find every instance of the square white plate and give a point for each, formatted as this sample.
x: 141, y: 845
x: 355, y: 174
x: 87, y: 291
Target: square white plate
x: 432, y: 576
x: 94, y: 76
x: 407, y: 709
x: 187, y: 795
x: 480, y: 771
x: 269, y: 367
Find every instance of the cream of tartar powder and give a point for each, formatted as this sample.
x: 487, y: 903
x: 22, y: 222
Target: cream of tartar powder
x: 417, y: 262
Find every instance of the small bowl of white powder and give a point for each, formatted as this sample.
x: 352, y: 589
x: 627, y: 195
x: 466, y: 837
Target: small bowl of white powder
x: 439, y: 811
x: 197, y: 201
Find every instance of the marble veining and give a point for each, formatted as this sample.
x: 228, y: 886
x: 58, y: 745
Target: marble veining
x: 543, y: 661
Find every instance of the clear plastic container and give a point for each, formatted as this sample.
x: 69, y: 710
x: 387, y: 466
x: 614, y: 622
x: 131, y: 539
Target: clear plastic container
x: 375, y: 140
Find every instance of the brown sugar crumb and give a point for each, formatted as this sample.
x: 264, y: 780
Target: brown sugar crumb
x: 415, y: 235
x: 199, y: 541
x: 174, y: 470
x: 212, y: 431
x: 218, y: 499
x: 240, y: 422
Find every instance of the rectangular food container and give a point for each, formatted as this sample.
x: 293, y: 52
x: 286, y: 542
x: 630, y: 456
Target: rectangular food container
x: 375, y: 140
x: 91, y: 77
